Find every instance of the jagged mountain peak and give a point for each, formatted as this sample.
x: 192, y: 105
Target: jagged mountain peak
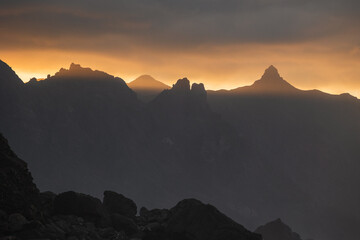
x: 271, y: 72
x: 182, y: 85
x: 198, y: 89
x: 183, y: 97
x: 271, y: 81
x: 77, y: 72
x: 75, y: 67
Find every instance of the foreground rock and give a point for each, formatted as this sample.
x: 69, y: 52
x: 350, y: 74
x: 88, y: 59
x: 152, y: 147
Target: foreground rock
x: 17, y: 190
x: 117, y: 203
x: 203, y: 221
x: 277, y: 230
x: 82, y: 205
x: 27, y: 214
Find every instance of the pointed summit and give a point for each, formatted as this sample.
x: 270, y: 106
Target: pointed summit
x: 272, y: 82
x: 271, y: 72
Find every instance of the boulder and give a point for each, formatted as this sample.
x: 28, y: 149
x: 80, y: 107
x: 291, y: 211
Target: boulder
x: 3, y: 221
x: 46, y: 200
x: 16, y: 222
x: 196, y: 220
x: 277, y: 230
x: 122, y: 223
x: 117, y: 203
x: 154, y: 215
x: 82, y: 205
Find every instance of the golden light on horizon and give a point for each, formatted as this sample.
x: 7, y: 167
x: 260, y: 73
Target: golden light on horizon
x: 223, y: 44
x: 306, y: 66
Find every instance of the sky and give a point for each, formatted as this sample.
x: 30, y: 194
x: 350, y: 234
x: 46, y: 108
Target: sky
x: 222, y: 43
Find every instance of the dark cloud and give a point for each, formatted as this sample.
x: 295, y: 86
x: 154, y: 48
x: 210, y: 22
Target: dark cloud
x: 109, y: 24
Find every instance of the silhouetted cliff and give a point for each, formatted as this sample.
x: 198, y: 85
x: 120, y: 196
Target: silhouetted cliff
x: 27, y: 214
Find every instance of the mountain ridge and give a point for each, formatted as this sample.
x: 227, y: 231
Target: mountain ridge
x: 269, y: 151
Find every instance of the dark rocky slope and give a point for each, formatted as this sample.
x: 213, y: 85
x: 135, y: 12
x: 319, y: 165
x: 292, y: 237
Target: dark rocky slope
x: 27, y: 214
x: 277, y: 230
x: 17, y: 190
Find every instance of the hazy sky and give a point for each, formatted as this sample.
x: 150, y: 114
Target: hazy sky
x: 222, y: 43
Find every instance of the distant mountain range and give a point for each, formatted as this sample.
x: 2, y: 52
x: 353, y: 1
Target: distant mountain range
x: 259, y: 152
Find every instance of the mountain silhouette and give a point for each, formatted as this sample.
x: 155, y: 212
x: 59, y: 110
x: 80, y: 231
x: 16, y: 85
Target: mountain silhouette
x: 299, y: 138
x: 147, y: 82
x: 189, y: 123
x: 256, y: 156
x: 147, y: 87
x: 271, y: 83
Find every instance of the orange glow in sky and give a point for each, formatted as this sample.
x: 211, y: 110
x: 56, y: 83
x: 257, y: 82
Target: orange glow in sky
x: 223, y: 44
x: 220, y: 68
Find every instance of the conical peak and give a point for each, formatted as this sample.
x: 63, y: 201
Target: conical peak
x: 145, y: 77
x: 182, y: 85
x: 272, y: 82
x: 271, y: 72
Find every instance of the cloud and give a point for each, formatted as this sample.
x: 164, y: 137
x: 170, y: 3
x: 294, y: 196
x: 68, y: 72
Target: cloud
x: 171, y: 24
x: 223, y: 43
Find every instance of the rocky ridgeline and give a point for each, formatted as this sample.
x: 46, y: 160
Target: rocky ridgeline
x: 27, y: 214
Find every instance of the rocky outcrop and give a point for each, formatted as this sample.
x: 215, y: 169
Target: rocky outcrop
x: 277, y: 230
x: 118, y: 203
x: 82, y: 205
x: 18, y: 193
x: 72, y: 215
x: 181, y: 99
x: 190, y: 126
x: 203, y: 221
